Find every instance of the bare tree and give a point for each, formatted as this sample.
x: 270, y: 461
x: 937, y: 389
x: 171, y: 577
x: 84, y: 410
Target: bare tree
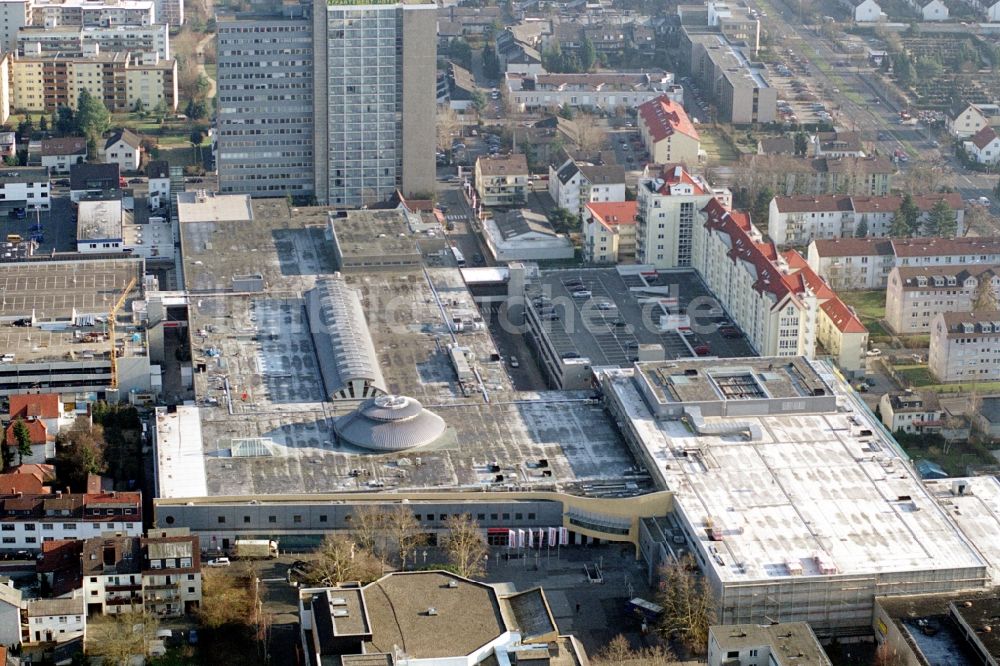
x: 590, y: 137
x: 688, y: 604
x: 340, y: 559
x: 119, y: 638
x: 619, y: 652
x: 369, y: 526
x: 466, y: 547
x: 225, y: 599
x: 404, y: 531
x: 447, y: 126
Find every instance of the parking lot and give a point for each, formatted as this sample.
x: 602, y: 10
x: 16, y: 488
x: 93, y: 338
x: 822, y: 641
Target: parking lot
x: 57, y: 226
x: 606, y: 317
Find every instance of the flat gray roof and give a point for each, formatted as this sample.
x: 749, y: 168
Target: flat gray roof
x: 99, y: 220
x: 203, y: 206
x: 55, y: 289
x: 260, y: 358
x: 585, y: 329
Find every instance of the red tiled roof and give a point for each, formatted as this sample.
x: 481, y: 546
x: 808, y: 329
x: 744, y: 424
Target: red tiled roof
x: 43, y: 472
x: 983, y: 137
x: 36, y: 428
x: 677, y: 174
x: 853, y: 247
x: 613, y: 213
x: 12, y: 484
x: 930, y: 247
x: 662, y: 116
x: 45, y: 405
x: 746, y: 247
x: 112, y: 498
x: 839, y: 313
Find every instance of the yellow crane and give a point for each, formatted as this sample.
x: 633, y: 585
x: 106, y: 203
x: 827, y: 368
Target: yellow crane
x: 111, y: 330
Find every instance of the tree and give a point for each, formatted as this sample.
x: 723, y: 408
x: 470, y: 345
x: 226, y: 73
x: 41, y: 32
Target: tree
x: 906, y: 221
x: 566, y: 111
x: 491, y: 63
x: 479, y: 101
x: 339, y: 559
x: 368, y: 526
x: 92, y: 117
x: 25, y: 127
x: 903, y: 69
x: 465, y: 546
x: 118, y: 638
x: 801, y: 143
x: 43, y: 124
x: 7, y: 453
x: 619, y: 652
x: 942, y: 220
x: 79, y: 452
x: 688, y: 604
x: 196, y: 139
x: 761, y: 207
x: 195, y: 110
x: 64, y: 121
x: 225, y: 600
x: 404, y: 531
x: 861, y: 231
x: 590, y: 136
x: 588, y: 55
x: 459, y: 51
x: 563, y: 221
x: 22, y: 435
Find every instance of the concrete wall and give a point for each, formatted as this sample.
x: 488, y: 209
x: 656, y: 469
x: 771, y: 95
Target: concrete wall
x: 419, y: 106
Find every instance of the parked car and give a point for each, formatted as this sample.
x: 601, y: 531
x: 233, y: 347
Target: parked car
x: 583, y: 293
x: 703, y: 350
x: 218, y: 562
x: 873, y: 353
x: 730, y: 332
x: 514, y: 363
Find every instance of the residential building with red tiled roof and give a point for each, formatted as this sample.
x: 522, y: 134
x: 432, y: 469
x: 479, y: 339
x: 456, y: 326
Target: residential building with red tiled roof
x: 43, y: 443
x: 30, y: 519
x: 798, y: 219
x: 984, y: 146
x: 667, y: 132
x: 669, y: 200
x: 609, y: 232
x: 784, y: 308
x: 917, y: 294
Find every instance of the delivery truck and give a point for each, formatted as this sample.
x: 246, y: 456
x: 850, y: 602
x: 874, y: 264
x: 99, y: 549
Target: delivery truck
x: 255, y: 549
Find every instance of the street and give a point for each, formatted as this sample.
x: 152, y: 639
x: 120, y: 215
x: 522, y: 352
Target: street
x: 876, y: 121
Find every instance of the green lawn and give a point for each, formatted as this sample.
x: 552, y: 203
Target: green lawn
x: 954, y: 458
x: 916, y: 375
x: 868, y: 304
x: 717, y: 148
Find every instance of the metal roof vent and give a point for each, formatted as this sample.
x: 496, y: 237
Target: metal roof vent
x: 432, y: 611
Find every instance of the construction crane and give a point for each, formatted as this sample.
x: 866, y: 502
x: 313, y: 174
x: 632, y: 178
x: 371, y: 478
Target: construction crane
x: 111, y: 331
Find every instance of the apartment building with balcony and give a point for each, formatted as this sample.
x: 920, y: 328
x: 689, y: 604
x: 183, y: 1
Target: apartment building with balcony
x: 784, y: 308
x: 502, y: 180
x: 915, y: 295
x: 42, y: 82
x: 965, y: 346
x: 798, y: 219
x: 736, y: 83
x: 923, y: 413
x: 609, y: 232
x: 111, y: 567
x: 668, y: 205
x: 88, y: 13
x: 171, y: 572
x: 72, y: 39
x: 574, y: 184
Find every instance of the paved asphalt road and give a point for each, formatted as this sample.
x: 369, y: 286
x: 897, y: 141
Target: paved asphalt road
x: 871, y: 119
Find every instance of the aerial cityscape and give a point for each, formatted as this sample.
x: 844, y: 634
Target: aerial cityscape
x: 520, y: 332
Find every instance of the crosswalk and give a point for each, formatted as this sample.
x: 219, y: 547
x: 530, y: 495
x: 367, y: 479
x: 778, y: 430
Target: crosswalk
x: 455, y: 217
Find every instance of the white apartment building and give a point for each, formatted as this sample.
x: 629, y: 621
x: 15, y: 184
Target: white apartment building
x: 575, y: 184
x: 965, y: 346
x: 29, y: 520
x: 784, y: 308
x: 668, y: 212
x: 54, y: 620
x: 52, y: 13
x: 111, y: 567
x: 915, y: 295
x: 667, y: 132
x: 153, y: 39
x: 14, y: 15
x: 865, y: 263
x: 799, y: 219
x: 502, y: 180
x: 921, y: 413
x: 171, y: 572
x: 24, y: 187
x: 158, y: 173
x: 609, y: 232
